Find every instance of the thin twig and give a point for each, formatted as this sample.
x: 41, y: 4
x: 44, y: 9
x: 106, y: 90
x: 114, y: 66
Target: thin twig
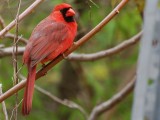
x: 15, y: 108
x: 84, y: 39
x: 3, y: 104
x: 21, y: 16
x: 2, y: 24
x: 14, y: 56
x: 117, y: 98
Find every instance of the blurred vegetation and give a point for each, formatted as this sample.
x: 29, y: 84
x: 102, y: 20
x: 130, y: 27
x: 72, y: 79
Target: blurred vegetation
x: 86, y: 83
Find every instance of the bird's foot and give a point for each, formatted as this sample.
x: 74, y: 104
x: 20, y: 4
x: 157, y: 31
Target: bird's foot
x: 74, y: 43
x: 44, y: 73
x: 64, y: 56
x: 43, y: 65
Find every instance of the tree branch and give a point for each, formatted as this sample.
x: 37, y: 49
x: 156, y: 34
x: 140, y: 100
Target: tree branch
x: 21, y: 16
x: 64, y: 102
x: 105, y: 53
x: 8, y: 51
x: 85, y: 57
x: 84, y: 39
x: 117, y: 98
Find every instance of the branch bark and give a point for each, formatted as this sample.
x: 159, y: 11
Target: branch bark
x: 84, y: 39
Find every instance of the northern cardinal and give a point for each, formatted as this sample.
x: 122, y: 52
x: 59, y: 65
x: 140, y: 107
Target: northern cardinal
x: 50, y: 38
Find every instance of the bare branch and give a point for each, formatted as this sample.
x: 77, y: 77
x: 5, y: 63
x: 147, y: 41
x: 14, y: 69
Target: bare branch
x: 65, y: 102
x: 87, y: 57
x: 21, y: 16
x: 84, y: 39
x: 117, y: 98
x: 3, y: 105
x: 8, y: 51
x: 1, y: 46
x: 105, y: 53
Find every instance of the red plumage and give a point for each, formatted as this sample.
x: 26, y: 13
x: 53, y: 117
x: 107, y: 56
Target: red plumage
x: 50, y: 38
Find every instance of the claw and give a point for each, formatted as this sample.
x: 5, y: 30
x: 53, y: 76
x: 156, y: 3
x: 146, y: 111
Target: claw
x: 45, y: 73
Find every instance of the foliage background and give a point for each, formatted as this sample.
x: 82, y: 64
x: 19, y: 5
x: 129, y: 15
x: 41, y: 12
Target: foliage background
x: 86, y: 83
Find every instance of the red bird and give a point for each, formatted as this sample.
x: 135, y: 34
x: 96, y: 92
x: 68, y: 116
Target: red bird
x: 50, y: 38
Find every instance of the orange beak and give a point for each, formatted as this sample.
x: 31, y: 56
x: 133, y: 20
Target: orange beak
x: 70, y: 12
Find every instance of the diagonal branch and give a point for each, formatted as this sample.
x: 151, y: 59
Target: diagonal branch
x: 105, y: 106
x: 64, y: 102
x: 21, y: 16
x: 84, y: 39
x: 10, y: 35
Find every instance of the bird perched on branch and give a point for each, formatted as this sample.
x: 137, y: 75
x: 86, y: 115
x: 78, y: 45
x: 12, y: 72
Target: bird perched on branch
x: 50, y: 38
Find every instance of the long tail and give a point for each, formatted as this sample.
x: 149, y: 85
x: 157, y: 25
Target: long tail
x: 28, y: 94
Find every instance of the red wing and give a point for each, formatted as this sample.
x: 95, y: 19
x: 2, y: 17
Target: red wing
x: 46, y: 40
